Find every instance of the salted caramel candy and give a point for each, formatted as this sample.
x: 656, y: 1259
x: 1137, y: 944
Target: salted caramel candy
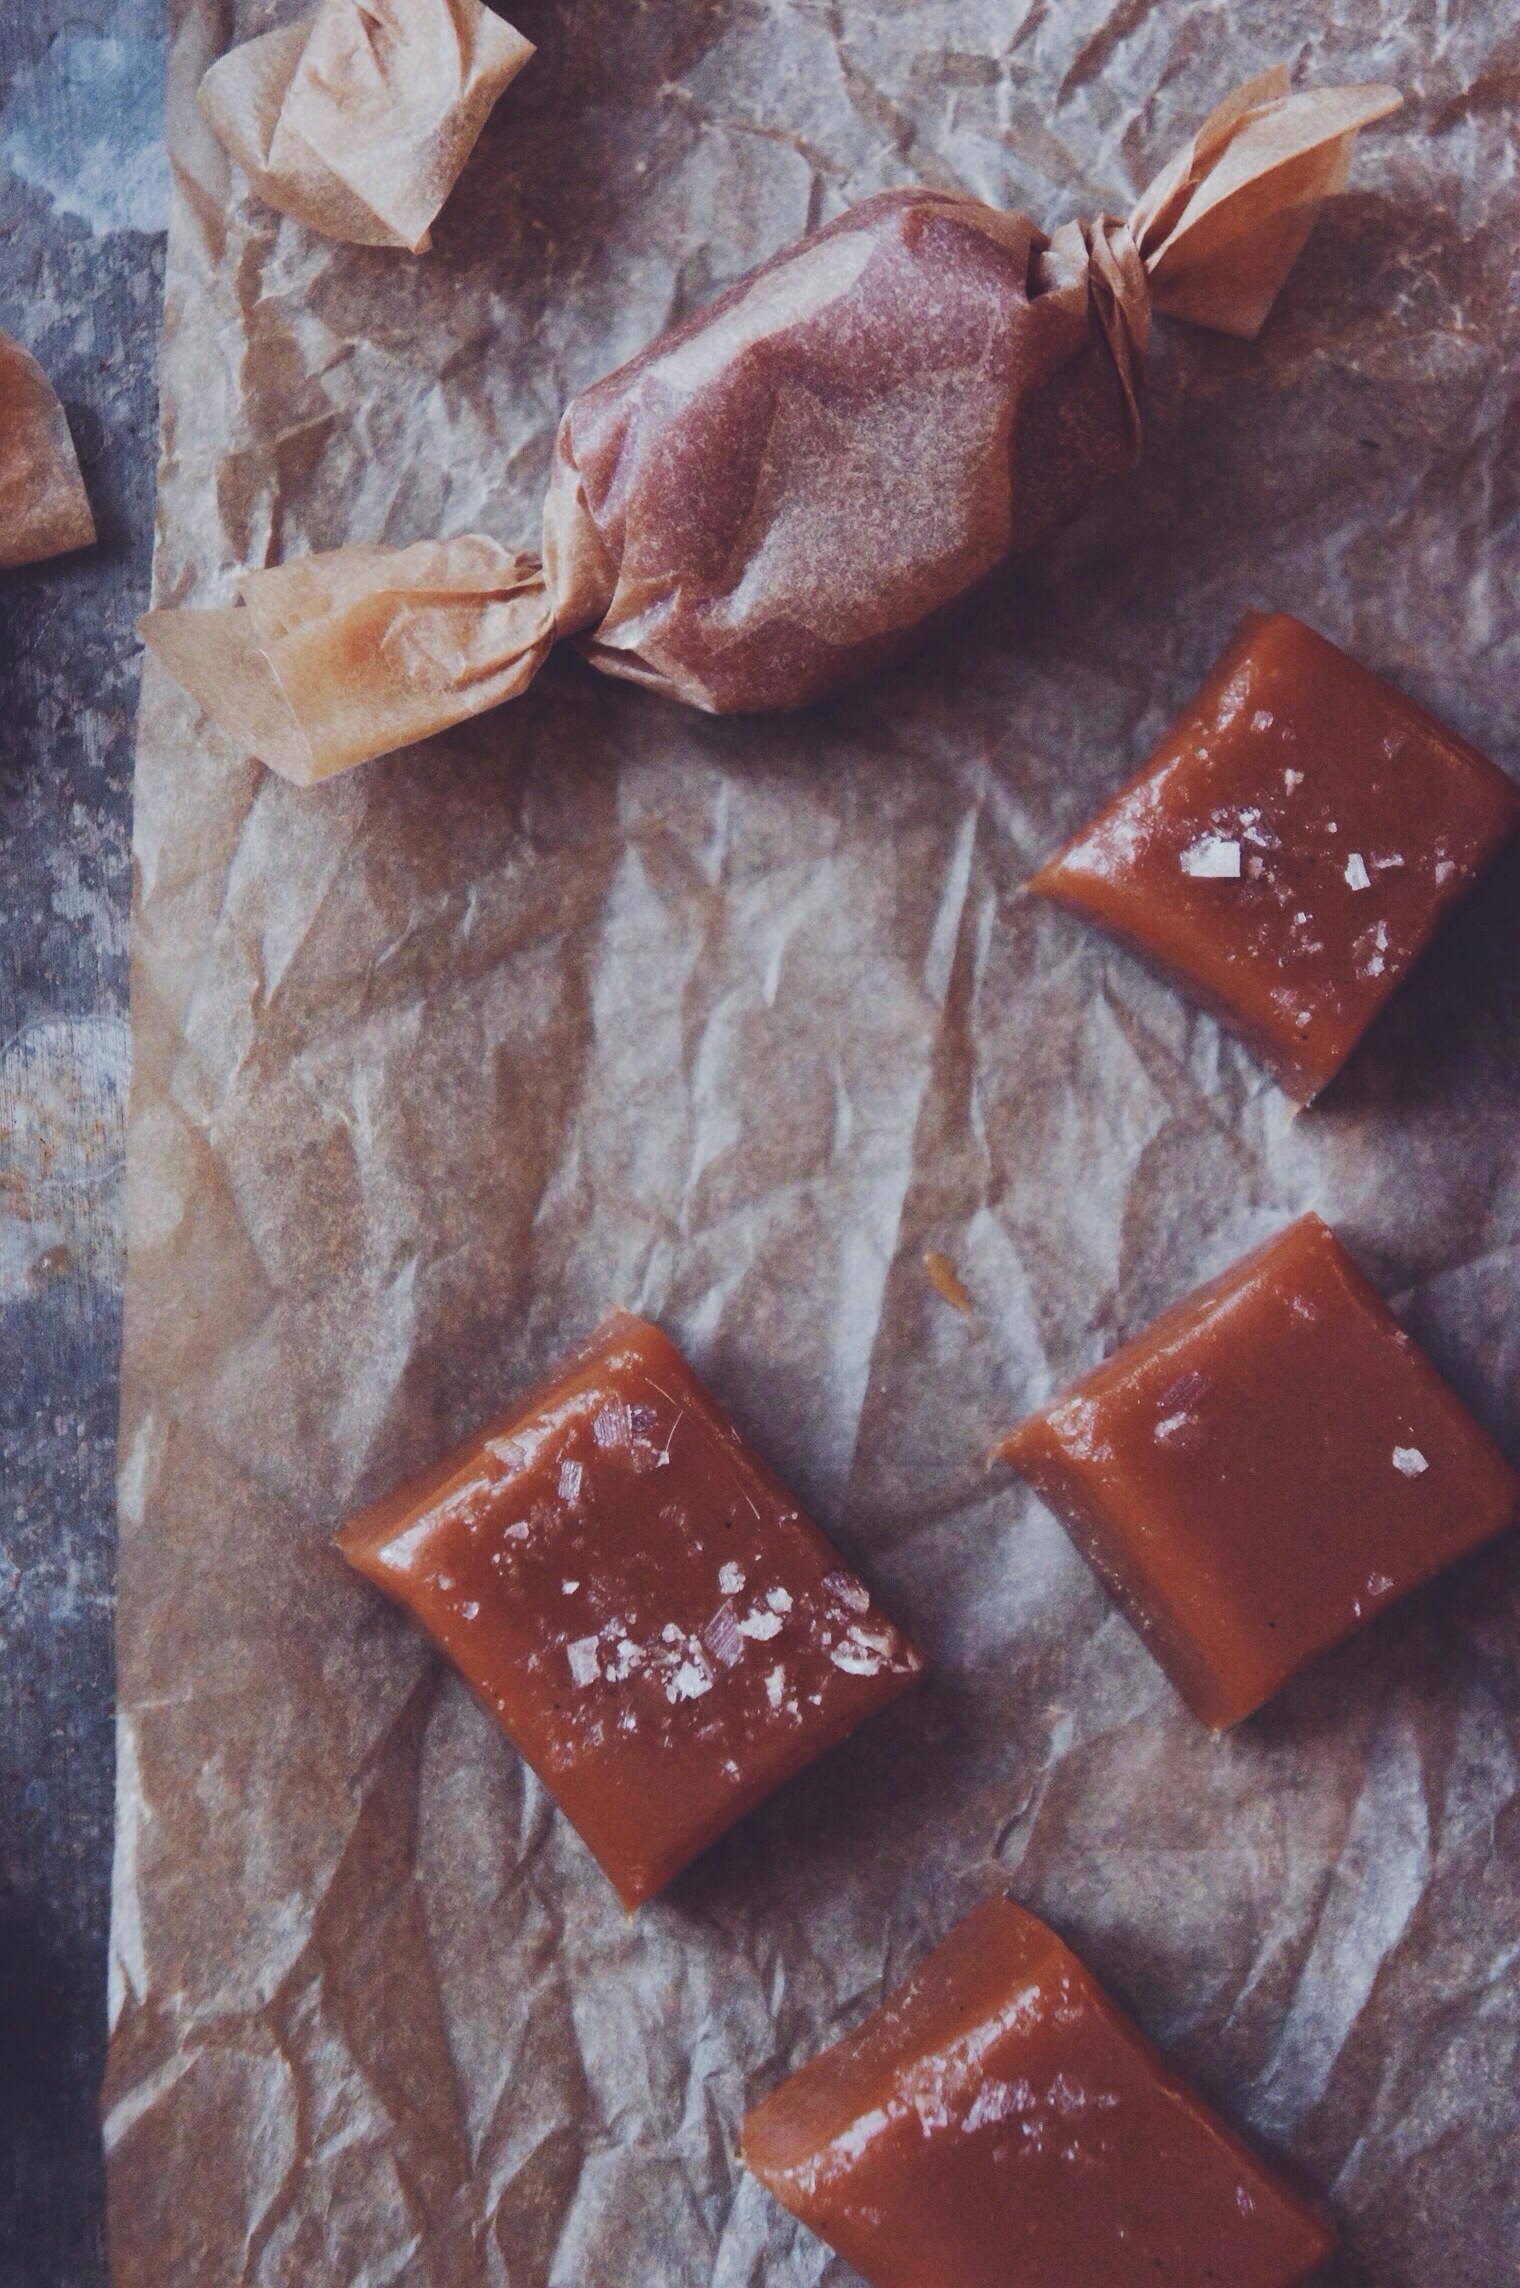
x: 1291, y: 847
x: 1269, y: 1464
x: 640, y: 1604
x: 999, y: 2123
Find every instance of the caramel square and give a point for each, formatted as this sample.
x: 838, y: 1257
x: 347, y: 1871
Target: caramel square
x: 1290, y: 848
x: 999, y: 2123
x: 640, y: 1604
x: 1264, y: 1468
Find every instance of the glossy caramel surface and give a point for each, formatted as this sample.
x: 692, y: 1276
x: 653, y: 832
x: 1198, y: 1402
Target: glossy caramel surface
x: 1291, y: 846
x: 1264, y: 1468
x: 641, y: 1605
x: 998, y: 2123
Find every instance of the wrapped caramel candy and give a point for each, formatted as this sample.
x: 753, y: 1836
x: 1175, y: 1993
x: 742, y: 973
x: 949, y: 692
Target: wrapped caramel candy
x: 804, y: 479
x: 357, y: 120
x: 43, y: 508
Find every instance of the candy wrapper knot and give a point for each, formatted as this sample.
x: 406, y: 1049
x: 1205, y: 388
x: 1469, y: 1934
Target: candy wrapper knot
x: 351, y: 653
x: 358, y: 120
x: 43, y: 508
x: 1221, y: 226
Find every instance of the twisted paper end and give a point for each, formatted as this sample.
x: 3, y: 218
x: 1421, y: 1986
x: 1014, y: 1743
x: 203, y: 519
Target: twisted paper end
x: 358, y: 120
x: 1222, y: 225
x: 347, y: 655
x: 43, y: 507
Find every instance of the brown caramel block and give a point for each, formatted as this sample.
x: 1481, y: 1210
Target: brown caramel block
x: 1290, y: 848
x: 999, y: 2124
x: 640, y: 1604
x: 1264, y: 1468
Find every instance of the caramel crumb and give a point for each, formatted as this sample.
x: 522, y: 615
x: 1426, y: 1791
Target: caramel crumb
x: 947, y: 1281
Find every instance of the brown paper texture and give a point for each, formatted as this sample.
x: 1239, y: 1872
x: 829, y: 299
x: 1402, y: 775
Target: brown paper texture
x: 598, y: 999
x: 358, y: 118
x: 44, y: 510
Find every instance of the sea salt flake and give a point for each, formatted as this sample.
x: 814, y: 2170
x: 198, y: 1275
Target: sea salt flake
x: 613, y: 1425
x: 1381, y: 865
x: 721, y: 1637
x: 731, y: 1579
x: 1409, y: 1461
x: 469, y: 1610
x: 688, y: 1683
x: 570, y: 1481
x: 848, y: 1591
x: 1444, y: 871
x: 1212, y: 859
x: 1169, y: 1427
x: 1357, y: 876
x: 1378, y: 1584
x: 519, y: 1531
x: 854, y: 1657
x: 1262, y: 719
x: 582, y: 1656
x: 775, y: 1686
x: 1292, y: 779
x: 994, y: 2101
x: 779, y: 1600
x: 761, y: 1626
x: 568, y: 1588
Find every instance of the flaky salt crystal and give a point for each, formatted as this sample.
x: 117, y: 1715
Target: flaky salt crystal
x: 1212, y: 859
x: 582, y: 1656
x: 1357, y: 876
x: 730, y: 1579
x: 613, y: 1425
x: 722, y: 1638
x: 1409, y: 1461
x: 570, y: 1481
x: 688, y: 1683
x: 848, y: 1591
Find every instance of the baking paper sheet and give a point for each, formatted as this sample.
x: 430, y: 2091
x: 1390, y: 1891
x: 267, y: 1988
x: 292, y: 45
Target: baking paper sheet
x: 598, y: 1000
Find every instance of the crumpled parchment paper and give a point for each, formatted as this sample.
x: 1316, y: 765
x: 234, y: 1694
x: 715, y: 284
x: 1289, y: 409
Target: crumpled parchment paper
x: 596, y: 999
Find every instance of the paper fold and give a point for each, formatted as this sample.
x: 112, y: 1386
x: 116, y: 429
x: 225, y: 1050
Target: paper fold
x: 358, y: 120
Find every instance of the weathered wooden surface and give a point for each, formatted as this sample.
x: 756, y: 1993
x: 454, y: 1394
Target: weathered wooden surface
x: 82, y: 210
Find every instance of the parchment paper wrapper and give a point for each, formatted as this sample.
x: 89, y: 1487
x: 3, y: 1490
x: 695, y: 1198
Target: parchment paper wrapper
x: 43, y: 507
x: 358, y: 119
x: 808, y: 477
x: 732, y: 1020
